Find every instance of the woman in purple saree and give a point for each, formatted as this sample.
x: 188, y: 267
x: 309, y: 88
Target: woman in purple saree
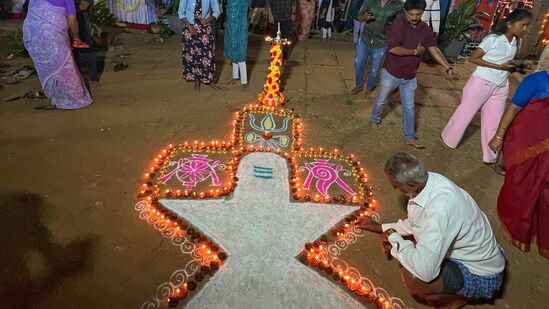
x: 46, y: 38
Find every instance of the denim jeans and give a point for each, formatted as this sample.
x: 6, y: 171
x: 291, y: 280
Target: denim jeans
x: 357, y: 30
x: 407, y: 92
x: 363, y: 52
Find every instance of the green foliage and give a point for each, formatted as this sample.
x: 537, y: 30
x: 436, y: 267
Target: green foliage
x: 461, y: 20
x: 172, y: 7
x: 100, y: 18
x: 14, y: 38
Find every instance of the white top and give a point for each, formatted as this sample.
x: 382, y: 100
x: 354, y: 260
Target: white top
x: 497, y: 49
x: 446, y: 223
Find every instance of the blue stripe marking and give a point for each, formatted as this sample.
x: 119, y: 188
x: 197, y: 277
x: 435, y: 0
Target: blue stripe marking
x: 263, y: 177
x: 262, y: 168
x: 262, y: 172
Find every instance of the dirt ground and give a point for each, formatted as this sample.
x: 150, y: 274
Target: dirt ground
x: 70, y: 236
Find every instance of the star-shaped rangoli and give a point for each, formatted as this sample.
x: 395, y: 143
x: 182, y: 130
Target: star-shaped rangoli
x: 263, y: 232
x: 246, y: 209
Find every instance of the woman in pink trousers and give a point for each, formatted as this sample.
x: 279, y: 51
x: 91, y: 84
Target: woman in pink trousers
x: 488, y: 87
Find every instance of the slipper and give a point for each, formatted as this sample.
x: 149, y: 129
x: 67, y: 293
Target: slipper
x: 120, y: 24
x: 46, y: 107
x: 23, y: 73
x: 414, y: 143
x: 9, y: 80
x: 36, y: 95
x: 119, y: 66
x: 80, y: 44
x: 16, y: 96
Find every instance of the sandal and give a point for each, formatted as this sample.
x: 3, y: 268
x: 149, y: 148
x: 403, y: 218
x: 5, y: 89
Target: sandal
x: 16, y: 96
x: 46, y: 107
x: 36, y: 95
x: 24, y: 73
x: 80, y: 44
x: 414, y: 143
x: 119, y: 66
x: 9, y: 80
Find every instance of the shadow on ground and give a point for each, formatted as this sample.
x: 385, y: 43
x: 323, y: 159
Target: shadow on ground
x: 34, y: 267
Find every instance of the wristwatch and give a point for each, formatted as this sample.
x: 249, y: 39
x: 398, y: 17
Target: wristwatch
x: 390, y: 231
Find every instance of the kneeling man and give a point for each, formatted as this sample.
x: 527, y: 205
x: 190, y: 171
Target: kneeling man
x: 452, y: 256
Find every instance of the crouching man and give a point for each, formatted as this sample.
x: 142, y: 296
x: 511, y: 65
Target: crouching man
x: 446, y: 246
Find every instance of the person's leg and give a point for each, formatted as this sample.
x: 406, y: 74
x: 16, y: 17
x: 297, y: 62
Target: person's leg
x: 330, y: 32
x: 490, y: 115
x: 435, y: 16
x: 243, y: 73
x: 407, y: 96
x: 235, y: 70
x: 386, y: 86
x: 285, y: 30
x: 357, y: 30
x: 361, y: 57
x: 442, y: 290
x: 324, y: 33
x: 475, y: 94
x: 256, y: 14
x: 377, y: 58
x: 91, y: 60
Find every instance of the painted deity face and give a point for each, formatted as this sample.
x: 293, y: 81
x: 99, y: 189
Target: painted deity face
x: 518, y: 28
x: 414, y: 16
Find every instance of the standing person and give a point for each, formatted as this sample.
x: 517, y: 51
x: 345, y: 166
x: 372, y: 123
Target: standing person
x: 236, y: 38
x: 454, y: 256
x: 326, y: 13
x: 357, y: 24
x: 259, y: 14
x: 282, y: 12
x: 306, y: 9
x: 377, y: 16
x: 488, y: 87
x: 86, y: 55
x: 46, y: 29
x: 523, y: 203
x: 199, y: 40
x: 408, y: 39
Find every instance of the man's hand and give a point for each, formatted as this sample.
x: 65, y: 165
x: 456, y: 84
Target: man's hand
x: 370, y: 226
x: 385, y: 244
x: 420, y: 49
x: 205, y: 21
x: 366, y: 17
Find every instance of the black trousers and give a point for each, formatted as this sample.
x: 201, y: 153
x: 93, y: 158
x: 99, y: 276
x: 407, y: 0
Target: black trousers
x: 285, y: 31
x: 89, y: 58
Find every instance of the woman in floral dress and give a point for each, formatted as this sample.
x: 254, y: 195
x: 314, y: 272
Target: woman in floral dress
x: 198, y: 40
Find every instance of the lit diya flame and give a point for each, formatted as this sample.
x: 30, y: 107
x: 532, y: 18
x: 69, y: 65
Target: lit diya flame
x: 267, y: 135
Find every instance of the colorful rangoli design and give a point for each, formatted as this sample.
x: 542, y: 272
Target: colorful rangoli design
x: 194, y: 169
x: 325, y: 174
x: 182, y: 172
